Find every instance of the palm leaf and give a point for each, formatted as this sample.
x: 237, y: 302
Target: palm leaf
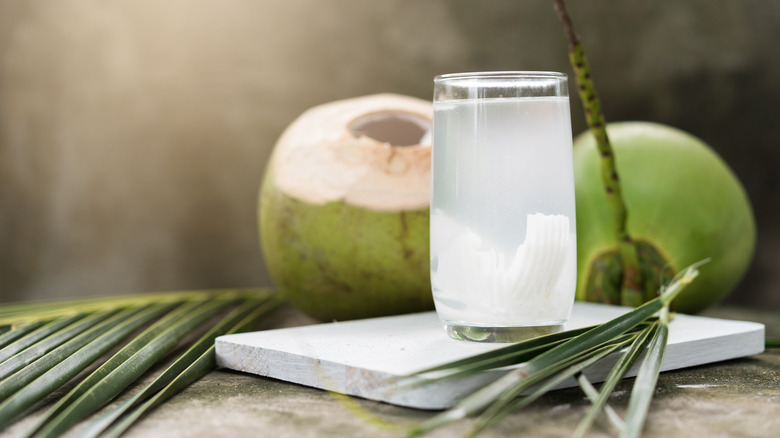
x: 26, y: 355
x: 53, y: 370
x: 494, y: 397
x: 502, y: 407
x: 614, y: 377
x: 46, y: 344
x: 126, y: 366
x: 646, y: 378
x: 15, y: 333
x: 181, y: 364
x: 528, y: 373
x: 20, y: 313
x: 204, y: 364
x: 56, y: 357
x: 498, y: 398
x: 176, y: 381
x: 593, y: 396
x: 35, y: 336
x: 509, y: 355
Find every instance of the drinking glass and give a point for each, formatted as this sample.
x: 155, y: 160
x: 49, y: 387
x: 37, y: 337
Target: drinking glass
x: 503, y: 237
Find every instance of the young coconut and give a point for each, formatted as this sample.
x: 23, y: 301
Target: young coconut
x: 343, y: 208
x: 650, y: 200
x: 684, y: 204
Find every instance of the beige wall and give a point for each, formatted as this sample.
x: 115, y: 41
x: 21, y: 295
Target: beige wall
x: 134, y: 133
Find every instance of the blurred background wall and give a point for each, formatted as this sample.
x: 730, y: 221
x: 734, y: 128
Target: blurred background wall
x: 134, y: 133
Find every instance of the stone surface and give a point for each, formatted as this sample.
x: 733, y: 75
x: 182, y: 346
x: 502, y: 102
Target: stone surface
x: 739, y: 398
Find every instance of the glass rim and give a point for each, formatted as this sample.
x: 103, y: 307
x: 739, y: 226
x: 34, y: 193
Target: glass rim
x: 509, y: 74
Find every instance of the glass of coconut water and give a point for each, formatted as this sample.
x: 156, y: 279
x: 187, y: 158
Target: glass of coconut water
x: 503, y: 242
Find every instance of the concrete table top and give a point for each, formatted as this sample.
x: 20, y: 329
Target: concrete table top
x: 737, y: 398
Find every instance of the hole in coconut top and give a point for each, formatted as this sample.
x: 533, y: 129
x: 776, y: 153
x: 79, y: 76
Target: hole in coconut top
x: 394, y: 128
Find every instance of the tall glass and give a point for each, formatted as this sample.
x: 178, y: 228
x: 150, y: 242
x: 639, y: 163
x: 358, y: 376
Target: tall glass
x: 503, y: 242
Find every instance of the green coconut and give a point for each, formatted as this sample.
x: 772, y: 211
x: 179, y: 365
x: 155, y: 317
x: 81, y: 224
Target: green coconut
x: 684, y: 205
x: 344, y: 208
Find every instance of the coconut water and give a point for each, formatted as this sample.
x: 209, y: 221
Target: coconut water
x: 503, y: 243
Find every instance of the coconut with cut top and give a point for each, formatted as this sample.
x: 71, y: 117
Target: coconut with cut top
x: 344, y: 208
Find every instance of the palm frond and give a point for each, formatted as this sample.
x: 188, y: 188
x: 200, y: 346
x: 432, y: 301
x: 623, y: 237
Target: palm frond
x: 49, y: 373
x: 25, y: 354
x: 614, y: 377
x: 509, y: 355
x: 17, y: 332
x: 568, y: 354
x: 176, y: 381
x: 37, y: 335
x: 126, y: 366
x: 47, y: 344
x: 593, y: 396
x: 509, y: 403
x: 646, y: 378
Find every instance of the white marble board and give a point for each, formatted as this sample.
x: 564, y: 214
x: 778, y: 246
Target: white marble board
x: 358, y: 357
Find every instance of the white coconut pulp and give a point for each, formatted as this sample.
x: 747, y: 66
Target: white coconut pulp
x: 371, y: 152
x: 477, y: 281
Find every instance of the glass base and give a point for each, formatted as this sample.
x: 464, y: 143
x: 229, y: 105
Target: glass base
x: 499, y: 334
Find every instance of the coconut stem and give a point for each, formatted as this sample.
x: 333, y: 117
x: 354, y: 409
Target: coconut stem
x: 631, y: 293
